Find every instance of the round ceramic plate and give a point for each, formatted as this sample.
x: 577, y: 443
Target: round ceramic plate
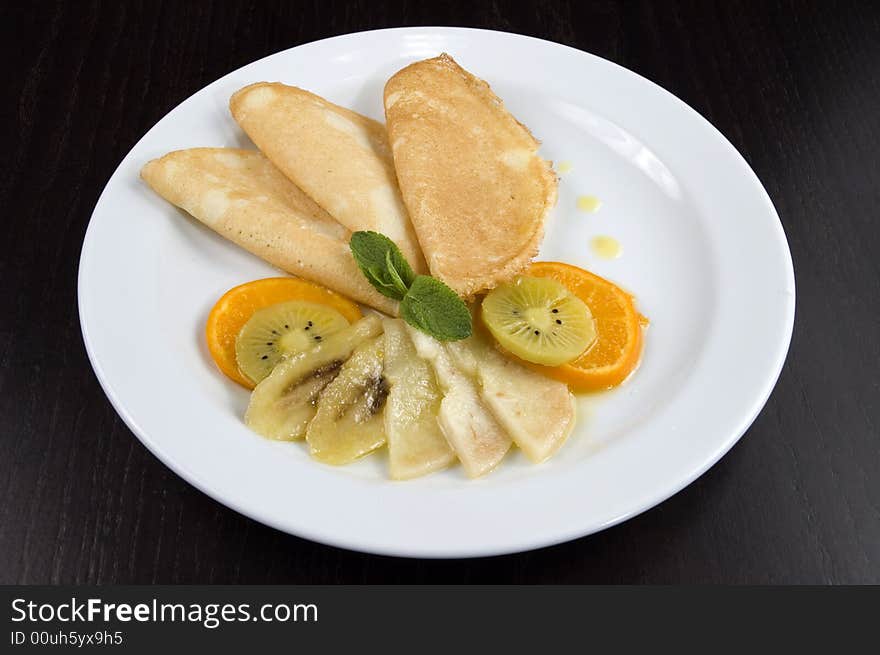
x: 703, y: 251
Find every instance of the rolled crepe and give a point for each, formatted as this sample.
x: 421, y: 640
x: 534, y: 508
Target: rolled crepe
x: 476, y: 190
x: 340, y: 158
x: 240, y: 195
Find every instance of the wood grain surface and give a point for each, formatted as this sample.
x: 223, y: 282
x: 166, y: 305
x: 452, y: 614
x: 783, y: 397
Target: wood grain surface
x: 795, y: 87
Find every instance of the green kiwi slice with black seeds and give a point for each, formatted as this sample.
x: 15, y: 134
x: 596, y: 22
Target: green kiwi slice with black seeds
x: 283, y: 329
x: 539, y: 320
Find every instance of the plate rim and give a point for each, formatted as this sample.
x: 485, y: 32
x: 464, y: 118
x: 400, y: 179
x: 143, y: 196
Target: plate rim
x: 560, y: 536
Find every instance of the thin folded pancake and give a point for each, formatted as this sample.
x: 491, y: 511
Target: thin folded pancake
x: 240, y: 195
x: 476, y: 190
x: 338, y: 157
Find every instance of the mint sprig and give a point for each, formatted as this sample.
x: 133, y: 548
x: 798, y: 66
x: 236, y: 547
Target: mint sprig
x: 426, y: 303
x: 382, y: 263
x: 434, y: 308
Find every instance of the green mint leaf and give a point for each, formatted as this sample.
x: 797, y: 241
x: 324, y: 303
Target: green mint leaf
x: 425, y: 302
x: 387, y: 286
x: 435, y: 309
x: 382, y: 263
x: 394, y: 274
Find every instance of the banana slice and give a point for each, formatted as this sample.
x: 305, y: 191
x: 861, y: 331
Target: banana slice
x: 477, y: 437
x: 349, y: 422
x: 416, y: 445
x: 282, y: 404
x: 536, y: 411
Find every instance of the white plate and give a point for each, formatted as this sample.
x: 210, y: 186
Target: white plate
x: 703, y: 251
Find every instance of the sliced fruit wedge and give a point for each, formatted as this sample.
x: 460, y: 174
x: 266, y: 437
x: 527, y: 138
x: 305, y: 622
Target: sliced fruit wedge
x: 349, y: 422
x: 479, y: 441
x: 416, y: 444
x: 539, y: 320
x: 282, y: 404
x: 283, y: 329
x: 237, y: 305
x: 537, y: 412
x: 617, y: 350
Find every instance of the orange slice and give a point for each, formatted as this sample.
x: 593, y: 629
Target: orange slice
x: 617, y: 350
x: 238, y: 304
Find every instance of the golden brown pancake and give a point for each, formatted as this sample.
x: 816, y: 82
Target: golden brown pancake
x: 338, y: 157
x: 240, y: 195
x: 476, y: 190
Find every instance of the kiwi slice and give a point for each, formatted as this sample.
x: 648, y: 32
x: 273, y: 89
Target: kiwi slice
x: 539, y: 320
x: 283, y: 404
x: 282, y: 329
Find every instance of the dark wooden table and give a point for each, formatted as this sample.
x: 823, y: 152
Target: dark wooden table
x: 794, y: 86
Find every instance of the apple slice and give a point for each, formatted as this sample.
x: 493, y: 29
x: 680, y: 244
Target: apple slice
x: 537, y: 412
x: 470, y: 428
x: 416, y: 444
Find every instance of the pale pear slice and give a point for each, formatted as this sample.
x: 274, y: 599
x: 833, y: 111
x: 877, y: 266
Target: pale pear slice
x: 416, y: 444
x: 537, y: 412
x: 240, y: 195
x: 349, y: 422
x: 282, y: 405
x: 338, y: 157
x: 470, y: 428
x: 477, y: 191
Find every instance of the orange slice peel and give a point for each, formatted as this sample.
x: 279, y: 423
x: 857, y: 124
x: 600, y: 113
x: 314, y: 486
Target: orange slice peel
x: 617, y: 350
x: 237, y: 305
